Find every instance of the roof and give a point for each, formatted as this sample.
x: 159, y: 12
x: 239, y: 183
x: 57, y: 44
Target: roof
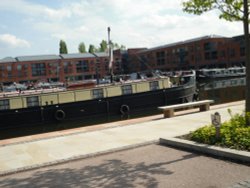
x: 38, y: 58
x: 8, y: 60
x: 183, y: 42
x: 77, y: 55
x: 101, y: 54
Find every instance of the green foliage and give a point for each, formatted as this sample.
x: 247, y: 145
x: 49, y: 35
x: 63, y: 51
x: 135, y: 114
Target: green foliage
x: 231, y: 10
x: 233, y: 134
x: 92, y: 48
x: 103, y: 46
x: 198, y: 6
x: 82, y: 48
x: 204, y: 135
x: 63, y: 47
x: 117, y: 46
x: 122, y: 47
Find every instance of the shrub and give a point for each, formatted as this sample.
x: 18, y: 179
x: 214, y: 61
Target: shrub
x: 233, y: 134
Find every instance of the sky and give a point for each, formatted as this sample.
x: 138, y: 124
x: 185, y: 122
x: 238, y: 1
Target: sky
x: 35, y: 27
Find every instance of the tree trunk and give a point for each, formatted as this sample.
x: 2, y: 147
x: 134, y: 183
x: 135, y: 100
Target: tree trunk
x: 247, y: 62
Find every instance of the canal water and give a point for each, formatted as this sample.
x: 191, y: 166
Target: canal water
x: 221, y: 91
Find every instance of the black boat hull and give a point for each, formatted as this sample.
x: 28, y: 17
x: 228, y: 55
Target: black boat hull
x: 124, y: 106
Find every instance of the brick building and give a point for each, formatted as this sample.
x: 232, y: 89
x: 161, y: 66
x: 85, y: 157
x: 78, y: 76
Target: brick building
x: 207, y: 51
x: 64, y: 67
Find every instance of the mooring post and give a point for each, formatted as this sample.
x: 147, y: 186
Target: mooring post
x: 216, y: 121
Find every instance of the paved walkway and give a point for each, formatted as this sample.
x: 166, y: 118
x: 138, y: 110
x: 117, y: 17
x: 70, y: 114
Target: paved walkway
x: 50, y: 150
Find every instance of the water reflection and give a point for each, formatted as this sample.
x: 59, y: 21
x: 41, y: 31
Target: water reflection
x: 223, y: 91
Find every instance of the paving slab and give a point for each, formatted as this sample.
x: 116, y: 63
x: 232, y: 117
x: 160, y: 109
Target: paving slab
x: 55, y: 149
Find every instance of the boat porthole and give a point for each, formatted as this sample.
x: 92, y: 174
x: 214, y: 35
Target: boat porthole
x: 124, y: 109
x: 60, y: 115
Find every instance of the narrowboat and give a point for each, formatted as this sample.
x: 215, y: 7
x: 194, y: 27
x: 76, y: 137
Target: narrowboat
x: 121, y: 97
x: 217, y: 73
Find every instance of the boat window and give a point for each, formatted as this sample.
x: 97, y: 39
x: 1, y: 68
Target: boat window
x: 127, y: 89
x: 97, y: 93
x: 154, y: 85
x: 32, y: 101
x: 4, y: 104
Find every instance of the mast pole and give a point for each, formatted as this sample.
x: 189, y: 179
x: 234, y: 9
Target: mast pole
x: 110, y: 57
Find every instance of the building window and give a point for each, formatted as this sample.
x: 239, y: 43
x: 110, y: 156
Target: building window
x: 97, y: 93
x: 232, y: 53
x: 9, y: 70
x: 214, y: 55
x: 38, y: 69
x: 19, y: 67
x: 160, y: 57
x: 182, y: 53
x: 242, y: 51
x: 207, y: 46
x: 4, y: 104
x: 68, y: 67
x: 19, y: 70
x: 127, y: 89
x: 222, y: 54
x: 207, y: 56
x: 154, y: 85
x: 22, y: 70
x: 54, y: 68
x: 2, y: 71
x: 32, y: 101
x: 82, y: 66
x: 78, y: 77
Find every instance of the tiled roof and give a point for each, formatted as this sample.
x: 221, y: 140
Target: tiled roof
x: 38, y: 58
x: 8, y: 60
x: 101, y: 54
x: 78, y: 55
x: 183, y: 42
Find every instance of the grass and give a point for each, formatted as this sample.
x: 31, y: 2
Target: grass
x: 234, y: 133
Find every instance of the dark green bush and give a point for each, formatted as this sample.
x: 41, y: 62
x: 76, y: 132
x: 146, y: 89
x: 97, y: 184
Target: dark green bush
x: 233, y: 134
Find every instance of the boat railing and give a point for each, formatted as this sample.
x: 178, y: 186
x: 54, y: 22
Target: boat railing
x: 29, y: 92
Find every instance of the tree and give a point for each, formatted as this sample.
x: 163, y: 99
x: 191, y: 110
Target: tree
x: 122, y: 47
x: 82, y: 48
x: 63, y: 47
x: 230, y: 10
x: 92, y: 48
x: 103, y: 46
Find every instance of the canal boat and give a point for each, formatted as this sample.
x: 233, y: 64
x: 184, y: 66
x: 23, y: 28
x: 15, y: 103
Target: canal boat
x: 217, y: 73
x: 123, y: 98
